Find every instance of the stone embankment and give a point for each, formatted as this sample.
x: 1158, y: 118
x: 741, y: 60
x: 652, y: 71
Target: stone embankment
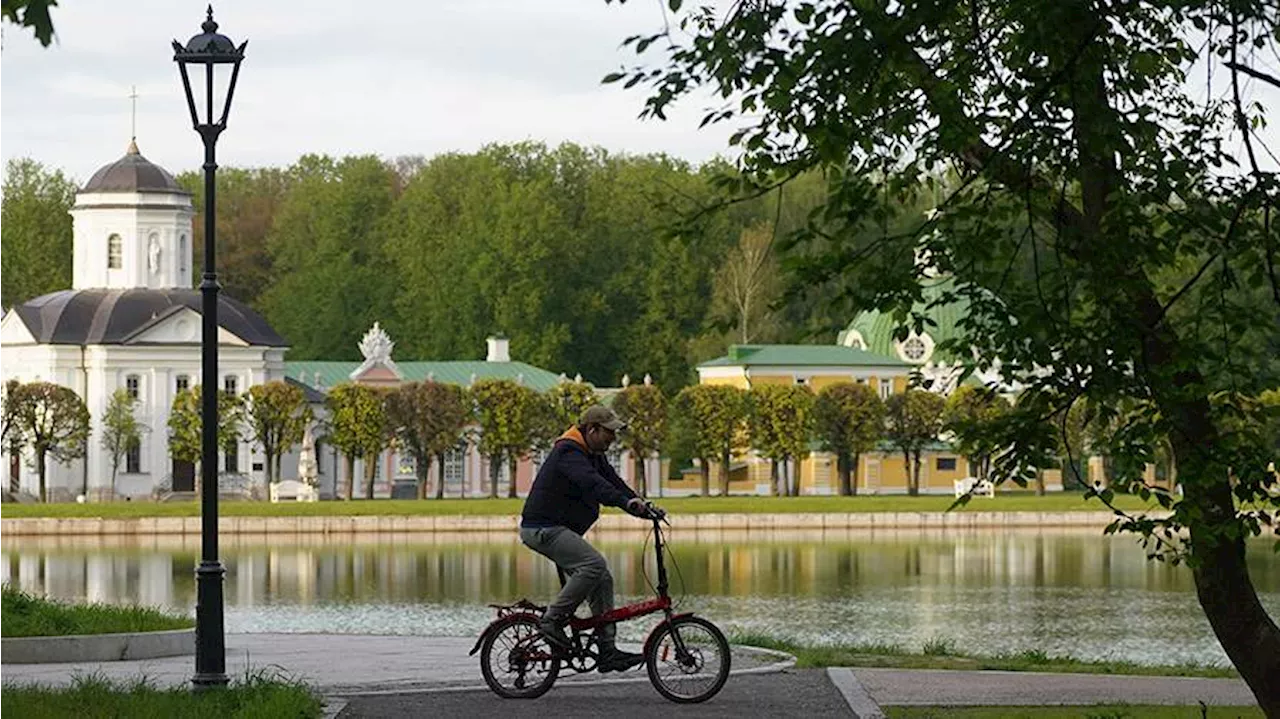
x: 612, y: 522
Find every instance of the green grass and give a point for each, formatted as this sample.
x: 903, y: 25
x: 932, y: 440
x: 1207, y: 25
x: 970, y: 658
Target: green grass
x: 258, y: 696
x: 1100, y: 711
x: 1058, y: 502
x: 24, y: 615
x: 940, y: 653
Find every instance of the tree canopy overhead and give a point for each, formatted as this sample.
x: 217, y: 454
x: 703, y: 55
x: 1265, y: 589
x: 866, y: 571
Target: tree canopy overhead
x: 1109, y: 220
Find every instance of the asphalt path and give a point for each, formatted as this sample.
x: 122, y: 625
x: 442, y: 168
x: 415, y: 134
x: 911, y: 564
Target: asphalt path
x: 790, y: 693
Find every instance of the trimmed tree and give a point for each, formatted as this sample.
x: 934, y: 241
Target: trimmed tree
x: 568, y: 400
x: 914, y: 419
x: 11, y: 432
x: 358, y: 428
x: 512, y: 419
x: 427, y: 419
x: 970, y: 415
x: 277, y: 414
x: 186, y: 420
x: 644, y: 409
x: 780, y: 422
x: 53, y: 422
x: 849, y: 421
x: 714, y: 415
x: 121, y: 430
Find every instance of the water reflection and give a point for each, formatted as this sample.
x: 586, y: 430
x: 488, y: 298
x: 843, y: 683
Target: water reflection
x: 1061, y: 591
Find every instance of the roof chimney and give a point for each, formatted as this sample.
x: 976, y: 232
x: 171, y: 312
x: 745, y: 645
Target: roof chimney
x: 499, y: 350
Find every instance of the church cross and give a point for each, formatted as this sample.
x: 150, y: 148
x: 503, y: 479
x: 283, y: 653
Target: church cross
x: 133, y: 120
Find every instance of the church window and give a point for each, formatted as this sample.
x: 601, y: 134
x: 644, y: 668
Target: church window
x: 229, y: 384
x: 182, y: 254
x: 182, y: 384
x: 886, y: 388
x: 455, y: 468
x: 115, y: 252
x: 914, y: 349
x: 132, y: 385
x: 231, y: 457
x: 946, y: 464
x: 133, y: 458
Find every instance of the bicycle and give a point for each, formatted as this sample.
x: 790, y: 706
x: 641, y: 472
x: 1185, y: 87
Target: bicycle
x: 687, y: 657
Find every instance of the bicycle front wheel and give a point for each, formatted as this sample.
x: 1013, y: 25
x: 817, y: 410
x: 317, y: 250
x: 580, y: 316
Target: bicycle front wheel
x: 517, y: 662
x: 688, y: 660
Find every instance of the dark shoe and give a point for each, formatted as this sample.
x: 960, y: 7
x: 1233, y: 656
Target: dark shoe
x: 550, y: 629
x: 616, y: 660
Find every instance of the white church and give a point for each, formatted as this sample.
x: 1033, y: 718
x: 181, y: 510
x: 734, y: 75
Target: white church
x: 131, y: 320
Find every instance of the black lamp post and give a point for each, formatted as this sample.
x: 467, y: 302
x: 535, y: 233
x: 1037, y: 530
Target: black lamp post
x: 212, y: 56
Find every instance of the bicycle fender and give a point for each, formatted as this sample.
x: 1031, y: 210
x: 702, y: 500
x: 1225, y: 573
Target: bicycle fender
x: 493, y: 627
x: 653, y: 635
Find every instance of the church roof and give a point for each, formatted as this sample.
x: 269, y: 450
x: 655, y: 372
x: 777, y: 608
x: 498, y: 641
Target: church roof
x: 877, y: 327
x: 113, y: 316
x: 802, y: 356
x: 133, y: 173
x: 326, y: 374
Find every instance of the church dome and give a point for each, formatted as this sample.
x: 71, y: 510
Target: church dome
x: 133, y: 173
x: 872, y: 330
x: 117, y: 316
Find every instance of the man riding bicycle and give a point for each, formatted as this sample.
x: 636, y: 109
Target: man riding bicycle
x: 563, y: 503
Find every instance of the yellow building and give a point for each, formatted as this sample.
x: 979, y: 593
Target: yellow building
x: 817, y: 366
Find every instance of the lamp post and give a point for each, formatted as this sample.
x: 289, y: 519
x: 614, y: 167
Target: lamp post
x: 211, y: 55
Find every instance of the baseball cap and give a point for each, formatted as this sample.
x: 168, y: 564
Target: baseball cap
x: 603, y: 416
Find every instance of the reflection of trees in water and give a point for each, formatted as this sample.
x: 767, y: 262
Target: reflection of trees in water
x: 480, y: 569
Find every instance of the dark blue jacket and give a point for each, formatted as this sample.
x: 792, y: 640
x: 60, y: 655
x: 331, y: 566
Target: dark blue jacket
x: 570, y: 487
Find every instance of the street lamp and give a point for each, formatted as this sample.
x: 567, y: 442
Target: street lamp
x: 215, y: 54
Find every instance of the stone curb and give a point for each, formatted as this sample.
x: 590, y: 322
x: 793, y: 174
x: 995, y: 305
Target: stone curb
x: 98, y: 647
x: 146, y: 526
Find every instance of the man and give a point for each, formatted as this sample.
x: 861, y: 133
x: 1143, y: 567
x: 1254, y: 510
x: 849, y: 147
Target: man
x: 562, y: 505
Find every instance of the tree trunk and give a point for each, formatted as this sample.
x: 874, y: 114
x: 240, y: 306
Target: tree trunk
x: 270, y: 467
x: 907, y: 468
x: 495, y: 464
x: 706, y: 477
x: 852, y: 468
x: 40, y: 468
x: 773, y: 478
x: 724, y: 474
x: 1040, y: 491
x: 642, y: 476
x: 842, y: 467
x: 423, y: 463
x: 370, y: 472
x: 348, y: 485
x: 793, y: 476
x: 440, y: 474
x: 511, y: 477
x: 1226, y: 593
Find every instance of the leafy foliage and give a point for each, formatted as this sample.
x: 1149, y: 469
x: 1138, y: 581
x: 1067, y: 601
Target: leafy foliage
x: 849, y: 419
x: 969, y: 416
x: 568, y: 400
x: 277, y: 415
x: 512, y: 419
x: 52, y: 421
x: 780, y: 422
x: 186, y: 420
x: 913, y: 421
x: 121, y: 430
x: 358, y: 427
x: 35, y: 230
x: 644, y: 408
x: 714, y: 417
x: 428, y: 419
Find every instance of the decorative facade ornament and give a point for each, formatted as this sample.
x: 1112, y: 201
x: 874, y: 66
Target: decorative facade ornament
x: 376, y: 347
x: 648, y: 379
x: 626, y: 380
x: 578, y: 378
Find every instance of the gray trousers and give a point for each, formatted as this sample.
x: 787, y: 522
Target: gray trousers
x: 589, y: 576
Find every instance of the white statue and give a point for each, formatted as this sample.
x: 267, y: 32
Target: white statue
x: 153, y: 256
x: 307, y: 470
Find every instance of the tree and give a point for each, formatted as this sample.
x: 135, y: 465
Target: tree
x: 33, y: 14
x: 511, y: 418
x: 359, y: 428
x: 186, y: 420
x: 569, y: 400
x: 780, y: 422
x: 277, y: 414
x: 714, y: 415
x: 969, y: 414
x: 427, y: 419
x: 848, y: 421
x: 53, y: 422
x: 644, y: 408
x: 11, y: 432
x: 35, y: 231
x: 913, y: 421
x: 1112, y: 241
x: 747, y: 284
x: 121, y: 430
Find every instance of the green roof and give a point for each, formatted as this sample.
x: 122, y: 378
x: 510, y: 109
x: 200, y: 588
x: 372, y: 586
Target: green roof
x: 802, y: 356
x: 877, y: 327
x: 457, y: 372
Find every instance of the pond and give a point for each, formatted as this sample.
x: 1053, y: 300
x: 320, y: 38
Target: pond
x: 1061, y: 591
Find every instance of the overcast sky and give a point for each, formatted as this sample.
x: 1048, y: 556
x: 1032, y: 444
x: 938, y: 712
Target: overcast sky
x: 392, y: 78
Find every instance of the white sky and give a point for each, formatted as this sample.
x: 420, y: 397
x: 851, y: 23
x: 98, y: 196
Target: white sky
x: 406, y: 77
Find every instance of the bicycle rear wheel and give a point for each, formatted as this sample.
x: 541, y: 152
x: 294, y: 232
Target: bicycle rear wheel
x: 517, y: 662
x: 688, y: 660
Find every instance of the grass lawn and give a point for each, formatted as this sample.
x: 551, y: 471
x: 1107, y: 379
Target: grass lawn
x: 23, y: 615
x: 940, y: 654
x: 255, y: 697
x: 1101, y: 711
x: 1020, y: 502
